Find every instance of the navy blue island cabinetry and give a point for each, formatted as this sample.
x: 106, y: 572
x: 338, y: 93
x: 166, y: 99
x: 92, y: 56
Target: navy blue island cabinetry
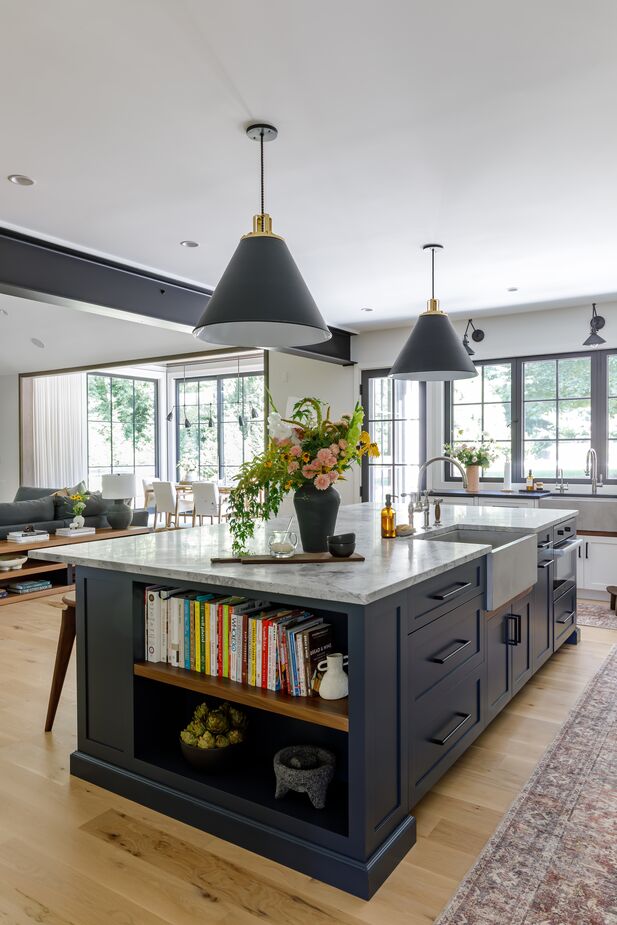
x: 429, y: 668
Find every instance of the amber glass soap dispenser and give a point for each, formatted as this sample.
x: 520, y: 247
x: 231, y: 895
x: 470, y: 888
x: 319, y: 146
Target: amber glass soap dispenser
x: 388, y: 520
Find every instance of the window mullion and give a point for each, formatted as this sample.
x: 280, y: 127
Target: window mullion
x: 599, y: 410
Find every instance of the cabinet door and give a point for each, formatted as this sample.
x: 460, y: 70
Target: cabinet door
x: 522, y: 666
x: 498, y: 664
x: 600, y: 554
x: 542, y: 617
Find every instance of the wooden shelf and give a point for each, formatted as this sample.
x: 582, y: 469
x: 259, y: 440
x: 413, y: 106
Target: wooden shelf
x: 31, y: 568
x: 13, y: 598
x: 331, y: 713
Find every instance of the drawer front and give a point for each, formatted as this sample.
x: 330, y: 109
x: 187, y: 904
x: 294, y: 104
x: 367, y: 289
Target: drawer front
x: 449, y: 644
x: 545, y: 541
x: 445, y: 592
x: 442, y: 728
x: 564, y: 617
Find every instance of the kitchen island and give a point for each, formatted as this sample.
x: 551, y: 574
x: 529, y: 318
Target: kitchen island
x: 429, y: 667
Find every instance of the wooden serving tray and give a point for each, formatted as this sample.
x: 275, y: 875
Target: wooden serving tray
x: 315, y: 558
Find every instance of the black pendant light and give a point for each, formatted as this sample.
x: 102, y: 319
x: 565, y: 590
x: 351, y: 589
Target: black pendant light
x: 477, y: 336
x: 432, y: 350
x: 261, y: 299
x: 596, y: 324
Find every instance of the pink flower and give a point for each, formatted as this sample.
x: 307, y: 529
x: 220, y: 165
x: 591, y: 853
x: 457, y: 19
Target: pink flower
x: 308, y: 472
x: 343, y: 444
x: 334, y: 449
x: 295, y: 451
x: 333, y: 475
x: 325, y: 457
x: 293, y: 466
x: 322, y: 482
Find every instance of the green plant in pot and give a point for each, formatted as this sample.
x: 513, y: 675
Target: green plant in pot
x: 307, y: 454
x: 211, y: 740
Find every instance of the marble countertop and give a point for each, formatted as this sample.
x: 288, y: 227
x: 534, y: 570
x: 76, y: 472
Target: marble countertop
x: 390, y: 566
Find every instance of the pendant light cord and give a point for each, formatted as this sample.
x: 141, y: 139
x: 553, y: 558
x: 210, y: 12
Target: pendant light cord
x: 261, y: 146
x: 432, y: 272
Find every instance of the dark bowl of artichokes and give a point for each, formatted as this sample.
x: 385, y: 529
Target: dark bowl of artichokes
x: 215, y: 738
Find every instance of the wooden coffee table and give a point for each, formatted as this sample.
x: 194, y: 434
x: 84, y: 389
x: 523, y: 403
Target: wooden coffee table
x: 59, y: 573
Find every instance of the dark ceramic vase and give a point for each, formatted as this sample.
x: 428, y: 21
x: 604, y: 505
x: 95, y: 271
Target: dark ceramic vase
x: 316, y: 511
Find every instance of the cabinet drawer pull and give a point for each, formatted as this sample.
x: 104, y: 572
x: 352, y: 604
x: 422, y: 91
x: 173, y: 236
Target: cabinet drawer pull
x: 546, y: 563
x: 567, y: 618
x: 451, y: 591
x: 460, y: 645
x: 511, y: 640
x: 442, y: 741
x: 544, y: 545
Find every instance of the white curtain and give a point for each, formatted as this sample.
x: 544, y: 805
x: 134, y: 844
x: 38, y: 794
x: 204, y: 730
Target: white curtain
x: 59, y: 430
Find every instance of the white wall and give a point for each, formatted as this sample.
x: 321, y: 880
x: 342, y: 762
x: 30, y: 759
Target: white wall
x: 9, y: 437
x: 560, y: 330
x: 298, y: 377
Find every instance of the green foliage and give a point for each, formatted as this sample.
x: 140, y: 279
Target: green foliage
x: 130, y: 402
x: 215, y: 727
x: 472, y: 455
x: 306, y: 448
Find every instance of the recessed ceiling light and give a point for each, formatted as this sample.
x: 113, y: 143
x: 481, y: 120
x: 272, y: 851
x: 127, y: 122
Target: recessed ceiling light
x: 512, y: 288
x: 366, y: 309
x: 3, y: 311
x: 189, y: 243
x: 37, y: 342
x: 19, y: 179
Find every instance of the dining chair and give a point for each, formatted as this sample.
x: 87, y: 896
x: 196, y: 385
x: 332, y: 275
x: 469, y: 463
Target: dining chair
x: 168, y: 503
x: 207, y: 502
x: 149, y: 500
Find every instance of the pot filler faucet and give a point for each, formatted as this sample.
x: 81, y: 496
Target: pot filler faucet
x: 423, y: 505
x: 591, y: 469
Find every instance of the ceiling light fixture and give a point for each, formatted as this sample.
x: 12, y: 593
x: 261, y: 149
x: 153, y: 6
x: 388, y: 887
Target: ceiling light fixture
x: 596, y: 324
x: 37, y: 342
x: 476, y: 334
x: 366, y: 309
x: 19, y: 179
x: 261, y: 299
x: 433, y: 351
x: 189, y: 243
x: 512, y: 288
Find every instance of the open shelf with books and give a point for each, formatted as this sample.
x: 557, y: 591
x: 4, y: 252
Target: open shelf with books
x: 251, y: 652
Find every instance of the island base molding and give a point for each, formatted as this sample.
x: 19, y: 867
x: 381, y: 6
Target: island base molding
x: 360, y: 878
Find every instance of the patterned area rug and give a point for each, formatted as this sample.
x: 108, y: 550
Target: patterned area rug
x: 553, y: 859
x: 596, y: 614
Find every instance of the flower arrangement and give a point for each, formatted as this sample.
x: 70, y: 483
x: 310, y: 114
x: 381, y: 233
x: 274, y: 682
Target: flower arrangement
x: 79, y: 500
x: 305, y: 448
x: 469, y: 455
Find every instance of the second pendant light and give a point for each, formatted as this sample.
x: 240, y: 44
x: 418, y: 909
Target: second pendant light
x: 433, y: 351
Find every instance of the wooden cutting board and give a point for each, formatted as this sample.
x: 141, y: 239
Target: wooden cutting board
x: 300, y: 558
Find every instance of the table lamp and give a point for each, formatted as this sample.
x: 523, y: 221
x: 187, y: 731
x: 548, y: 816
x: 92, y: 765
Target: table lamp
x: 120, y: 489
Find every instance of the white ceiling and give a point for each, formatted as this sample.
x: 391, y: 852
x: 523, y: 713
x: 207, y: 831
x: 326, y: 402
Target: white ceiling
x: 489, y: 127
x: 76, y: 338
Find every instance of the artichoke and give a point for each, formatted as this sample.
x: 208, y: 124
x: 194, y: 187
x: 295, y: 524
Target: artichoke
x: 196, y: 728
x: 200, y: 713
x: 206, y: 741
x: 235, y: 736
x: 188, y: 738
x: 225, y: 706
x: 237, y: 718
x: 222, y: 741
x: 217, y: 722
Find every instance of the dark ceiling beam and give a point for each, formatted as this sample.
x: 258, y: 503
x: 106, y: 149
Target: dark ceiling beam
x: 32, y: 268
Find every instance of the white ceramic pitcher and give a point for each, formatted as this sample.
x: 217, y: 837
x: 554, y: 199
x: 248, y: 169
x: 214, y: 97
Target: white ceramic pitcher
x: 335, y: 683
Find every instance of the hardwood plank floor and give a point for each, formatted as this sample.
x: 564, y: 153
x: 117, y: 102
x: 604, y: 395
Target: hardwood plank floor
x: 72, y: 854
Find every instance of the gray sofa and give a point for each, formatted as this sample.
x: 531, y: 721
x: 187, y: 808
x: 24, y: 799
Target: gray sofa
x: 41, y: 509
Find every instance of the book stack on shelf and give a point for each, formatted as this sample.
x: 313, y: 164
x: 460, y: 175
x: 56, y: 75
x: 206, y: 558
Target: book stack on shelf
x: 247, y: 641
x: 28, y: 536
x: 27, y: 587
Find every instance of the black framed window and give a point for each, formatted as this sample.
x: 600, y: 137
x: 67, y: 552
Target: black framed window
x: 226, y: 414
x: 556, y: 416
x: 482, y: 408
x: 612, y: 417
x: 395, y: 417
x: 561, y: 404
x: 122, y: 418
